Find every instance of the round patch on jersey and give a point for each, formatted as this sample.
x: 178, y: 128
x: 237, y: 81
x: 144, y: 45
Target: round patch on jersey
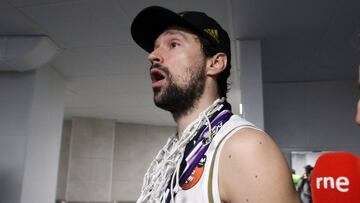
x: 196, y: 174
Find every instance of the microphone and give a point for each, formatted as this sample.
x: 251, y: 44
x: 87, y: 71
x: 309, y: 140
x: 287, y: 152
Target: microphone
x: 336, y: 178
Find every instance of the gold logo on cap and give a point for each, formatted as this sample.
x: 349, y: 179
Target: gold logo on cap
x: 182, y: 14
x: 213, y: 33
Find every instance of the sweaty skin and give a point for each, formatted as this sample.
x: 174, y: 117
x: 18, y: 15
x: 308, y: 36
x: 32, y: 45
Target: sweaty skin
x: 252, y: 169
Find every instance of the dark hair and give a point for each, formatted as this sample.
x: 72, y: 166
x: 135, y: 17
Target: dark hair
x: 222, y: 83
x: 308, y: 169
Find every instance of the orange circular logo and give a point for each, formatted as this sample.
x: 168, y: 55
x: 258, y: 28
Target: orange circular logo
x: 196, y: 174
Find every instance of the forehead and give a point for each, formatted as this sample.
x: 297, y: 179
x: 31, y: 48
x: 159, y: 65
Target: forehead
x: 177, y: 31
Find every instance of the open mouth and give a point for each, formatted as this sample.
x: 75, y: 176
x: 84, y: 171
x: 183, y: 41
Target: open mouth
x: 156, y: 75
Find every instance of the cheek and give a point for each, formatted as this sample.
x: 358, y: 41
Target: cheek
x: 180, y: 68
x: 183, y: 65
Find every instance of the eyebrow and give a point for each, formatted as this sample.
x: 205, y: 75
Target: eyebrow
x: 176, y: 32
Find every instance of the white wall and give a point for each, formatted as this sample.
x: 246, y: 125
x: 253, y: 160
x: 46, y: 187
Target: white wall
x: 31, y: 112
x: 135, y: 147
x: 15, y: 100
x: 312, y: 116
x: 251, y: 81
x: 91, y: 160
x: 109, y: 155
x: 64, y: 161
x: 43, y: 137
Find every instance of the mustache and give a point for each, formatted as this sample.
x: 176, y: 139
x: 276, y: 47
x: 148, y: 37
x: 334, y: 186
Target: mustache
x: 160, y: 67
x: 156, y: 65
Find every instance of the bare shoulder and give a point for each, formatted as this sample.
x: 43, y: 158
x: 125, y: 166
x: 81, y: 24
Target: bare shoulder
x: 252, y: 169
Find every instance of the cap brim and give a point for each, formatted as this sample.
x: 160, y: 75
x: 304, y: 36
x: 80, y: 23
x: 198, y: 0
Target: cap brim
x: 151, y: 22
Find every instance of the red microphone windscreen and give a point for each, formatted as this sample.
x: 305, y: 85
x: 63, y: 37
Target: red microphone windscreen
x: 336, y: 178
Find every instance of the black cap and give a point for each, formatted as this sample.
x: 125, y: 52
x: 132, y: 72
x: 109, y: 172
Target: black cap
x: 153, y: 20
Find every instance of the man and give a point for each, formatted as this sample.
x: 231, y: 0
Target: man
x: 215, y: 156
x: 296, y: 178
x: 303, y: 187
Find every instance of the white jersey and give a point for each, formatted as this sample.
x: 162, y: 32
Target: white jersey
x: 203, y: 185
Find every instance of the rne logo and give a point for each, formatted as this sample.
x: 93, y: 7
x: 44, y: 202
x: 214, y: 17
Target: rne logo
x: 341, y: 183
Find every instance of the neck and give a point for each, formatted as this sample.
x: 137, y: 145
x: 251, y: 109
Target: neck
x: 183, y: 121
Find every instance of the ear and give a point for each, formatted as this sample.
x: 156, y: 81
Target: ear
x: 216, y: 64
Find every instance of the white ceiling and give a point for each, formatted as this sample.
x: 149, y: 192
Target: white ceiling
x: 107, y: 73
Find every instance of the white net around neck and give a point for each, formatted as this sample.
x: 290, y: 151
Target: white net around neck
x: 166, y: 165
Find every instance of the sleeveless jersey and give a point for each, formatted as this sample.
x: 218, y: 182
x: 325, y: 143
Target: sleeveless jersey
x: 202, y: 186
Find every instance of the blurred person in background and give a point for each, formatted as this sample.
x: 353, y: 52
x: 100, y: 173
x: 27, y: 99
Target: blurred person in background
x: 303, y: 187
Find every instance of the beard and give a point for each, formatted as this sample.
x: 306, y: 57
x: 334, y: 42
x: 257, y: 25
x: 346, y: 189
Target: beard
x: 181, y: 100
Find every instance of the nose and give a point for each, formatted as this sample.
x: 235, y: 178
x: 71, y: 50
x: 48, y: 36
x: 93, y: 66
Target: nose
x: 155, y: 56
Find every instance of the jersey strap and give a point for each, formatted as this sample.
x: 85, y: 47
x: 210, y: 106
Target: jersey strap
x: 216, y: 156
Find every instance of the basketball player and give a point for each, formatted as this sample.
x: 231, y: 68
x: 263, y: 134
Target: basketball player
x: 215, y: 156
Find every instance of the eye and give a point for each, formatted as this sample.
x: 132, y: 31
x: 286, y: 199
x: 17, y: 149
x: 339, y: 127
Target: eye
x: 173, y: 44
